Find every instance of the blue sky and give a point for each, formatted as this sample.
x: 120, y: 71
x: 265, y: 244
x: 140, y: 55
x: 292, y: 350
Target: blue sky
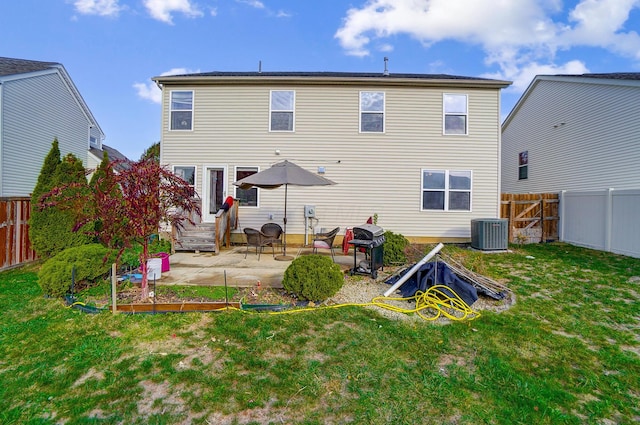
x: 111, y: 48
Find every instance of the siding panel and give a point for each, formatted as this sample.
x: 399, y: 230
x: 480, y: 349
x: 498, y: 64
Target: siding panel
x: 35, y: 111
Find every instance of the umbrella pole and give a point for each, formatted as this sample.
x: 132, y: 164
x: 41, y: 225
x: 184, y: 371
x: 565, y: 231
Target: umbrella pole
x: 284, y: 256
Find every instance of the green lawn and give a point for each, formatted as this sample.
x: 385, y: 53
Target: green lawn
x: 568, y: 352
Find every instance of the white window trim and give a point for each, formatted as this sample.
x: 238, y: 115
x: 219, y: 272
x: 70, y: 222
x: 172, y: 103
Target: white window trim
x: 384, y: 112
x: 293, y: 112
x: 195, y: 174
x: 466, y: 114
x: 235, y: 188
x: 193, y: 103
x: 446, y: 191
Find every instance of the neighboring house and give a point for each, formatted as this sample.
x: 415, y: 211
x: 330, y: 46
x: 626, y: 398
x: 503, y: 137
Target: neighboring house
x: 573, y: 132
x: 419, y: 152
x: 96, y: 155
x: 38, y: 103
x: 579, y: 135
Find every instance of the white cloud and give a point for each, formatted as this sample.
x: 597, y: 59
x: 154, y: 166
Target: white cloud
x: 257, y: 4
x: 151, y: 91
x: 98, y: 7
x: 163, y: 10
x: 521, y: 37
x: 253, y: 3
x: 283, y: 14
x: 600, y: 23
x: 485, y: 22
x: 523, y: 75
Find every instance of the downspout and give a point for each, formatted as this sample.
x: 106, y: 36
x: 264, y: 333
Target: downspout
x: 498, y: 213
x: 162, y: 120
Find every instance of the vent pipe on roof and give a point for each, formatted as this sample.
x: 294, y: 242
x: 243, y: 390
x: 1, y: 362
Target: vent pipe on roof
x: 386, y: 71
x: 259, y: 67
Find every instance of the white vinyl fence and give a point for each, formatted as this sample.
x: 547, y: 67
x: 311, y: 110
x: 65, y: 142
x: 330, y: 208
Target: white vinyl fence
x: 606, y: 220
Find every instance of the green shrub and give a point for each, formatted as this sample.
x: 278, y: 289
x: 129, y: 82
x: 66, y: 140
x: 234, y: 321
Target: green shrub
x: 51, y: 229
x: 394, y: 249
x: 89, y: 261
x: 313, y: 277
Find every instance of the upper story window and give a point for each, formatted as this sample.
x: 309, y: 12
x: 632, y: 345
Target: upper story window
x: 371, y: 112
x: 282, y: 110
x: 523, y: 165
x: 455, y: 114
x: 246, y: 197
x: 188, y: 174
x: 182, y: 110
x: 446, y: 190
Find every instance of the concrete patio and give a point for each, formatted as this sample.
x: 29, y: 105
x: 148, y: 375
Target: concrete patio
x: 205, y: 268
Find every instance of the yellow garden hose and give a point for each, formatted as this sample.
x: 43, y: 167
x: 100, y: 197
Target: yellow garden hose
x: 438, y: 300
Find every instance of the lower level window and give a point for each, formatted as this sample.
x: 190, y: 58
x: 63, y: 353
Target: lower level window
x: 246, y: 197
x: 188, y: 174
x: 445, y: 190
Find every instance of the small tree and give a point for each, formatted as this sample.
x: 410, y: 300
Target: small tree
x: 152, y: 151
x: 131, y: 204
x: 51, y: 229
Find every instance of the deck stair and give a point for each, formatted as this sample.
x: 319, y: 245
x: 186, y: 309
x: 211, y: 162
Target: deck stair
x: 200, y: 236
x: 196, y: 237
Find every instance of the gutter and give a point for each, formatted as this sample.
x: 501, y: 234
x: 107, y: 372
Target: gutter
x: 386, y: 81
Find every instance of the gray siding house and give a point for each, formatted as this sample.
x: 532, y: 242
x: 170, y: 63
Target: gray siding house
x: 579, y: 135
x: 573, y: 132
x: 39, y: 102
x: 420, y: 152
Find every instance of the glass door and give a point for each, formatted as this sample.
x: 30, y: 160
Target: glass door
x: 214, y: 191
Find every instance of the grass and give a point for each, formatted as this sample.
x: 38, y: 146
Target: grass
x: 568, y: 352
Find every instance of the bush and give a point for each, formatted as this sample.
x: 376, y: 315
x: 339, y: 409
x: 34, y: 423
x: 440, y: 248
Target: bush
x: 313, y: 277
x: 394, y: 249
x: 51, y: 230
x: 89, y: 261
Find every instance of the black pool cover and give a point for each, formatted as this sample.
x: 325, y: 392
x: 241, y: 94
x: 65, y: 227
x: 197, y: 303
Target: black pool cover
x: 431, y: 274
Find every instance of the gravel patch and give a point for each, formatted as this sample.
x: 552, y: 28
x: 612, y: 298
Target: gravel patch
x: 363, y: 289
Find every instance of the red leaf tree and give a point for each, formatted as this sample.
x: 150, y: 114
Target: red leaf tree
x: 130, y: 200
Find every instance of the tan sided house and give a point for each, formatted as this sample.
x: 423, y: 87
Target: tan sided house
x: 420, y: 152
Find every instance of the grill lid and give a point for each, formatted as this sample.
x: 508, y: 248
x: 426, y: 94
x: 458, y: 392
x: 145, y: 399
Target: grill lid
x: 368, y: 232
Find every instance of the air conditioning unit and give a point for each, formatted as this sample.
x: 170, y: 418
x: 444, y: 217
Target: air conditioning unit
x: 489, y: 234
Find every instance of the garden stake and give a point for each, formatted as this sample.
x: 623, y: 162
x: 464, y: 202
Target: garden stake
x: 113, y: 288
x: 226, y: 293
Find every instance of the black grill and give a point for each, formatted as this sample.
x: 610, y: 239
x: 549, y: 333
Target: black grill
x: 370, y: 239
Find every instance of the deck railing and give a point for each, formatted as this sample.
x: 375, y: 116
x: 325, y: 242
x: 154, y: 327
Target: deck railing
x: 226, y: 221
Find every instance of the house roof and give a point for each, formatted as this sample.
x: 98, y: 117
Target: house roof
x: 112, y: 153
x: 629, y: 76
x: 11, y: 66
x: 217, y: 77
x: 612, y: 78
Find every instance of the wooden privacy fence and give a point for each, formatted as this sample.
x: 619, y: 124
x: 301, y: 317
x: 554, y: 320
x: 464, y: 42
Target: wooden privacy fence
x: 532, y: 217
x: 15, y: 247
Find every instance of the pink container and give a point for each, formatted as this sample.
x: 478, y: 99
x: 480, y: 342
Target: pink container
x: 165, y: 261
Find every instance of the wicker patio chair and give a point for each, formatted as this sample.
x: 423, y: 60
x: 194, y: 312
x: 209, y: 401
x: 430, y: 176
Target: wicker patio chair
x: 257, y: 239
x: 273, y: 232
x: 325, y: 241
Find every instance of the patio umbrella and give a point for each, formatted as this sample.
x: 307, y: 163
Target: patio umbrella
x: 283, y: 173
